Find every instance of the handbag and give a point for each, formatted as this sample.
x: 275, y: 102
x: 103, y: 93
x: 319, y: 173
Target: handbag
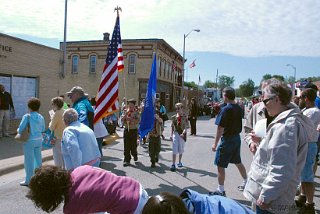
x: 49, y: 139
x: 23, y: 137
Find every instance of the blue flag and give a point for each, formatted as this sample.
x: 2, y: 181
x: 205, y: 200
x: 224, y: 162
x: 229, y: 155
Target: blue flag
x: 147, y: 117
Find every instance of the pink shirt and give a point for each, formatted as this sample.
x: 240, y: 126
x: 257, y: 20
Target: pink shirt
x: 97, y: 190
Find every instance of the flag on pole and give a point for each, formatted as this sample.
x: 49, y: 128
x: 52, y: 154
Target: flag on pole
x: 147, y: 117
x: 193, y: 64
x: 107, y: 102
x: 199, y: 79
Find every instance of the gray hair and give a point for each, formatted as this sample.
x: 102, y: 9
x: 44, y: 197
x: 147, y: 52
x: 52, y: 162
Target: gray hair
x: 281, y: 90
x: 70, y: 115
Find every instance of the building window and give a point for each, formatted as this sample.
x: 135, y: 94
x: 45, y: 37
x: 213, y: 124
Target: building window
x: 164, y: 69
x: 168, y: 70
x: 132, y: 64
x: 93, y: 63
x: 75, y: 63
x: 159, y: 61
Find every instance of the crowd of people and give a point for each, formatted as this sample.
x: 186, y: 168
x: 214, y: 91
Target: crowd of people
x: 279, y: 180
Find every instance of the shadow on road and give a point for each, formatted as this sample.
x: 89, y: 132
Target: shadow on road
x: 203, y: 136
x: 204, y: 118
x: 112, y: 168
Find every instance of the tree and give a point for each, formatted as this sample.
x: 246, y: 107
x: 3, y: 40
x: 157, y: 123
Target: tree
x: 266, y: 77
x: 290, y: 79
x: 246, y: 88
x: 209, y: 84
x: 225, y: 81
x: 191, y: 84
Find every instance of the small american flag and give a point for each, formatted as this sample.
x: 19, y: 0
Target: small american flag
x: 174, y: 66
x: 107, y: 102
x: 193, y: 64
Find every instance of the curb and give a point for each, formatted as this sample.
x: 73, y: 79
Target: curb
x: 12, y: 164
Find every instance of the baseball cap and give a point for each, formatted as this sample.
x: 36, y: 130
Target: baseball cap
x: 75, y: 89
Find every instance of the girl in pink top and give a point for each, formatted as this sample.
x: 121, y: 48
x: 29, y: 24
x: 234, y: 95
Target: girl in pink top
x: 86, y: 189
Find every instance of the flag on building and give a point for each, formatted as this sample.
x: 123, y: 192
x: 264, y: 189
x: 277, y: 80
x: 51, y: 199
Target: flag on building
x: 147, y: 116
x: 174, y: 66
x: 193, y: 64
x: 107, y: 98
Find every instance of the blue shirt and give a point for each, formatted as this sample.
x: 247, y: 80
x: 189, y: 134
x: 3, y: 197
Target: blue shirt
x: 83, y: 106
x: 37, y: 126
x: 79, y: 145
x: 230, y: 118
x: 201, y: 203
x: 317, y: 102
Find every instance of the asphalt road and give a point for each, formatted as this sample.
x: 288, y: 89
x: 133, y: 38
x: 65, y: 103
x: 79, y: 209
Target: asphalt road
x: 198, y: 172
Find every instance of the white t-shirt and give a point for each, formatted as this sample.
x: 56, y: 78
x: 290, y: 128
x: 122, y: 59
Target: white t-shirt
x: 314, y: 114
x: 99, y: 128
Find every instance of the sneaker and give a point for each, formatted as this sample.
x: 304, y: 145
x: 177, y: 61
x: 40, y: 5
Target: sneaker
x: 126, y: 164
x: 217, y: 192
x: 300, y: 200
x: 173, y: 168
x: 153, y: 165
x: 135, y: 158
x: 23, y: 183
x: 180, y: 164
x: 307, y: 209
x: 241, y: 187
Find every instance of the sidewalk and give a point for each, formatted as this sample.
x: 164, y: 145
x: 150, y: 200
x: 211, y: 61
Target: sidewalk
x: 11, y: 155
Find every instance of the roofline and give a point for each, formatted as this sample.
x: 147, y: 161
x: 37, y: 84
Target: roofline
x: 27, y: 41
x: 129, y: 40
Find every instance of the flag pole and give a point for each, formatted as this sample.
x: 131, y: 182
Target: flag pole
x: 123, y: 73
x: 217, y: 83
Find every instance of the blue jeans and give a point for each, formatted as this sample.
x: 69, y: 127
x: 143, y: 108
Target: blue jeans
x: 261, y: 211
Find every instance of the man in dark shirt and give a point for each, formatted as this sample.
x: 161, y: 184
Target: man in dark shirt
x: 229, y: 122
x: 5, y: 104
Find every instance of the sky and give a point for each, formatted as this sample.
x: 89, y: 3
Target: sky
x: 241, y: 38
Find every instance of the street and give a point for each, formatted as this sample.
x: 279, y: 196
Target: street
x: 198, y: 172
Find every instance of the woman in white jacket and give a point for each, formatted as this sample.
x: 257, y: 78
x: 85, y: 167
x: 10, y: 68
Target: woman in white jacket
x: 278, y: 162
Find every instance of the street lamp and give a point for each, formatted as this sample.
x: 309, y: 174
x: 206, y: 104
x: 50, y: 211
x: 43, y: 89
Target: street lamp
x: 294, y: 78
x: 184, y: 53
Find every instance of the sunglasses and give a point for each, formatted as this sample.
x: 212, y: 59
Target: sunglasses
x: 178, y: 108
x: 70, y: 95
x: 267, y: 100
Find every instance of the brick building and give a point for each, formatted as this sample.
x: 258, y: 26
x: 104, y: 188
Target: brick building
x: 86, y: 60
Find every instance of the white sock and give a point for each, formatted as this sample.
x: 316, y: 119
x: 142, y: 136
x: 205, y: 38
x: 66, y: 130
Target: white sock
x: 220, y: 188
x: 244, y: 182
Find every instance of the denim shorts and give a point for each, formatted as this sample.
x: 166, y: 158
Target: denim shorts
x: 307, y: 174
x: 228, y: 151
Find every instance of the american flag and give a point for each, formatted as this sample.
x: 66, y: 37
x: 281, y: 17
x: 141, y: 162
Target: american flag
x: 107, y: 102
x: 193, y: 64
x: 174, y: 66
